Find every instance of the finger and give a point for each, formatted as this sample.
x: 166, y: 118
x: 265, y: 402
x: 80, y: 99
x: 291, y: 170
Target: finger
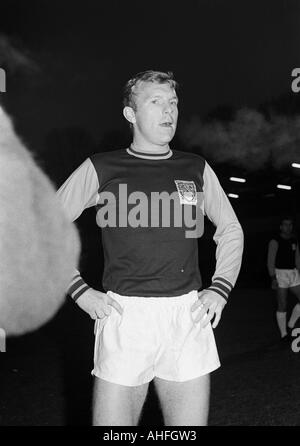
x: 107, y: 310
x: 201, y: 294
x: 197, y: 305
x: 217, y: 318
x: 99, y: 314
x: 202, y: 313
x: 115, y: 304
x: 205, y: 321
x: 208, y: 316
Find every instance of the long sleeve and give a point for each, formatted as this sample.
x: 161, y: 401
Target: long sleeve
x: 297, y: 257
x: 228, y: 235
x: 79, y: 192
x: 272, y: 251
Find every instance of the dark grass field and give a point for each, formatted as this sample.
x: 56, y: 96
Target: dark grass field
x: 45, y: 376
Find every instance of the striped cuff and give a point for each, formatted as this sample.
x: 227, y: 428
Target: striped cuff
x: 77, y: 287
x: 221, y: 286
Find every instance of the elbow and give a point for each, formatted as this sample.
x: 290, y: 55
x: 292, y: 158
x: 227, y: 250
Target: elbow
x: 232, y: 232
x: 239, y: 234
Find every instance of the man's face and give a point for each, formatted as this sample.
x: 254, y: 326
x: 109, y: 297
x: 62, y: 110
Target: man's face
x: 286, y: 227
x: 156, y: 114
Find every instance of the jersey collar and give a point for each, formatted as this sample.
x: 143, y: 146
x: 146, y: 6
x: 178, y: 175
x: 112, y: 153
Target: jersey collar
x: 149, y: 156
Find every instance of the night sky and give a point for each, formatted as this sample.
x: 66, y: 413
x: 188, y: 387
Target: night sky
x: 232, y: 53
x: 67, y: 63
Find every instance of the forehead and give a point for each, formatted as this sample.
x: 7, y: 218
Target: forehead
x: 287, y: 222
x: 144, y: 90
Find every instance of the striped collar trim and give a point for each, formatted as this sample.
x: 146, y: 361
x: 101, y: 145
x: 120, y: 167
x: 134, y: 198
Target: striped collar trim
x: 150, y: 156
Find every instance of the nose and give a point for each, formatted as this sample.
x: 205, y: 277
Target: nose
x: 168, y: 108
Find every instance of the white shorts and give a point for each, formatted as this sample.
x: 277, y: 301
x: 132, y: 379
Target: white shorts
x: 154, y: 337
x: 287, y: 278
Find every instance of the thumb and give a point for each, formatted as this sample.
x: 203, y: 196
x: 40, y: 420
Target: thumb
x: 113, y: 303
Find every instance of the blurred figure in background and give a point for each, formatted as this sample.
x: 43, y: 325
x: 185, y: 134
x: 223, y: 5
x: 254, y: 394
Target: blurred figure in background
x: 283, y: 267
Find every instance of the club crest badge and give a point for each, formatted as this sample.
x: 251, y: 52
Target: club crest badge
x: 187, y: 191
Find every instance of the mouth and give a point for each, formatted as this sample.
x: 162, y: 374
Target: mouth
x: 166, y: 124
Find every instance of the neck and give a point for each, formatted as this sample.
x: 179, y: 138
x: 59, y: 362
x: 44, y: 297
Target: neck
x: 149, y: 148
x: 283, y: 235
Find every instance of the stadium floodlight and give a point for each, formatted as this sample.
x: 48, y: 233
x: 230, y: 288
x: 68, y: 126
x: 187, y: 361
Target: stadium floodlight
x: 238, y: 180
x: 233, y: 195
x: 283, y: 186
x: 297, y: 165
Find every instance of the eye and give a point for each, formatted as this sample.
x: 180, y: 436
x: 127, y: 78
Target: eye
x: 156, y: 101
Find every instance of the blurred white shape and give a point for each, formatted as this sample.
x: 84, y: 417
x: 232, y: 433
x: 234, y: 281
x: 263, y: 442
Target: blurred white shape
x: 283, y: 186
x: 233, y: 195
x: 238, y: 180
x: 2, y: 341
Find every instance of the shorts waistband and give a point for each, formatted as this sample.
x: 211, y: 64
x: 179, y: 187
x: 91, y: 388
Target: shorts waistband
x: 279, y: 270
x: 184, y: 298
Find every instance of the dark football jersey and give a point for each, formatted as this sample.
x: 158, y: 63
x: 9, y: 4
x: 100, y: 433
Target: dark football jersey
x: 151, y: 210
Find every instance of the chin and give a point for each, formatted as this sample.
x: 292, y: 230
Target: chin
x: 166, y: 140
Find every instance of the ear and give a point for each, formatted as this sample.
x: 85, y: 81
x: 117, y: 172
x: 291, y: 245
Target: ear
x: 129, y: 114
